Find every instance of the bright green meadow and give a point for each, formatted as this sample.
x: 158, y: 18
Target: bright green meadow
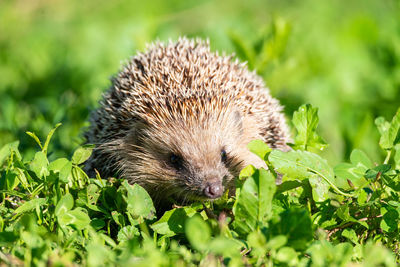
x: 334, y: 65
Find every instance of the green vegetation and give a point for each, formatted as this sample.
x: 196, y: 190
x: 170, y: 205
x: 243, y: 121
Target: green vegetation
x: 52, y: 212
x: 341, y: 56
x: 56, y: 58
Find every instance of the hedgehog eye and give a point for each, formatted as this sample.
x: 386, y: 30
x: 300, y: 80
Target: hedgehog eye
x: 224, y: 156
x: 176, y: 161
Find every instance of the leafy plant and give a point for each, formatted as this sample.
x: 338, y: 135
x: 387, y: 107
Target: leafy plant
x: 52, y: 213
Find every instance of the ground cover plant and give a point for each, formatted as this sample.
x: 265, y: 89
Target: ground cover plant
x: 53, y: 214
x: 338, y: 204
x: 56, y: 58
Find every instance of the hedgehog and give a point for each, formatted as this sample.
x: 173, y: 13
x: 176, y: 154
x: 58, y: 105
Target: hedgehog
x: 177, y: 120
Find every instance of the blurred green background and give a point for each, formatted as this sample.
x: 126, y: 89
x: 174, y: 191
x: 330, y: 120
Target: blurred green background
x: 56, y: 58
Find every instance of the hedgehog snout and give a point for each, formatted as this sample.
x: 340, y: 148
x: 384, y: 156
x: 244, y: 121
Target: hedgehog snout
x: 213, y: 189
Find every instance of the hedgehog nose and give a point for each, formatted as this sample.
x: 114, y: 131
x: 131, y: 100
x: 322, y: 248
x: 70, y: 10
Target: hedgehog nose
x: 213, y: 190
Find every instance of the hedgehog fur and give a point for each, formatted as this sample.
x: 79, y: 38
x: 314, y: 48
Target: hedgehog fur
x: 177, y: 120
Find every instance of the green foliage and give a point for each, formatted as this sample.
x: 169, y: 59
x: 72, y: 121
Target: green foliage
x: 390, y: 132
x: 55, y: 60
x: 253, y: 201
x: 306, y: 120
x: 51, y: 211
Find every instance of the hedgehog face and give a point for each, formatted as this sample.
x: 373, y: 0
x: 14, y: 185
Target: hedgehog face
x: 190, y: 160
x: 204, y: 175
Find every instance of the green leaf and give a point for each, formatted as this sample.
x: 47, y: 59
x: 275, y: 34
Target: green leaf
x: 8, y: 238
x: 22, y: 177
x: 247, y: 171
x: 277, y: 242
x: 353, y: 171
x: 77, y: 174
x: 288, y: 185
x: 362, y: 197
x: 287, y: 255
x: 97, y: 224
x: 77, y: 218
x: 108, y: 240
x: 343, y: 212
x: 31, y: 239
x: 257, y: 242
x: 306, y: 120
x: 296, y: 225
x: 118, y: 218
x: 348, y: 171
x: 65, y: 173
x: 65, y: 204
x: 173, y: 221
x: 324, y: 253
x: 396, y: 157
x: 351, y: 235
x: 224, y: 246
x: 259, y: 148
x: 62, y: 166
x: 306, y: 165
x: 319, y: 187
x: 359, y: 158
x: 126, y: 233
x: 30, y: 205
x: 381, y: 169
x: 91, y: 194
x: 98, y: 254
x: 6, y: 151
x: 46, y: 143
x: 58, y: 164
x: 253, y: 203
x: 198, y: 233
x: 139, y: 202
x: 378, y: 255
x: 390, y: 132
x: 11, y: 179
x: 382, y: 125
x: 34, y: 136
x: 81, y: 155
x: 39, y: 164
x: 390, y: 220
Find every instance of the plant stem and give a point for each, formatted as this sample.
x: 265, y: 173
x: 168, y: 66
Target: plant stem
x: 389, y: 153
